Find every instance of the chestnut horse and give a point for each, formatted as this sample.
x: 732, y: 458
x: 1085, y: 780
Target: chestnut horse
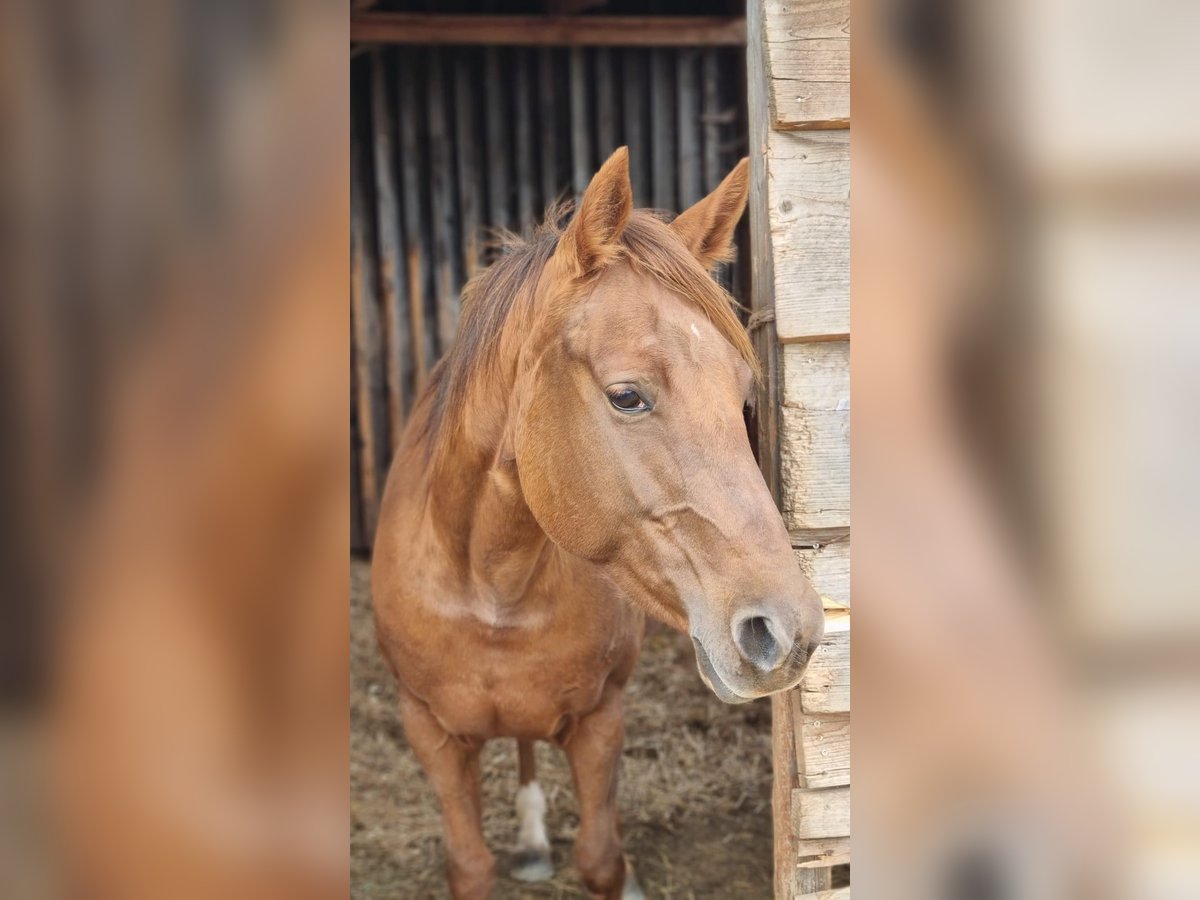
x: 578, y: 459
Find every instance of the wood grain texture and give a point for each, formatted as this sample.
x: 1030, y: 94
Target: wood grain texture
x: 429, y: 29
x: 636, y: 133
x: 689, y: 134
x: 821, y: 814
x: 469, y: 149
x: 808, y: 63
x: 364, y: 318
x: 828, y: 568
x: 581, y: 151
x: 823, y: 747
x: 821, y: 853
x: 417, y: 248
x: 397, y: 355
x: 842, y: 893
x: 607, y: 122
x: 523, y: 139
x: 444, y: 208
x: 499, y: 149
x: 762, y: 264
x: 826, y: 684
x: 815, y: 435
x: 548, y: 105
x: 808, y: 202
x: 783, y: 757
x: 663, y: 128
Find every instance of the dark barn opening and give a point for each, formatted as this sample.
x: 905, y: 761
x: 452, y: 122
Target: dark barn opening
x: 453, y: 141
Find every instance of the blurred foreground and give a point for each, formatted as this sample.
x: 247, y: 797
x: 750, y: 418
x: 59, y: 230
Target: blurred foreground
x: 1026, y: 246
x: 175, y: 267
x: 1026, y: 371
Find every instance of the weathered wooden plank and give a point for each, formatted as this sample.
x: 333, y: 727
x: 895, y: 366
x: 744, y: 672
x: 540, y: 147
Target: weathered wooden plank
x: 808, y: 61
x: 687, y: 106
x: 416, y: 238
x: 446, y: 247
x: 711, y: 113
x: 783, y: 757
x: 548, y: 125
x: 499, y: 154
x: 469, y: 157
x: 825, y: 687
x: 823, y: 748
x: 815, y: 466
x: 842, y: 893
x: 396, y: 340
x: 821, y: 814
x: 636, y: 136
x: 827, y: 566
x: 808, y: 199
x: 815, y: 435
x: 662, y: 128
x: 821, y: 853
x: 816, y: 376
x: 581, y: 155
x: 372, y: 419
x: 606, y: 104
x: 523, y: 120
x: 426, y: 29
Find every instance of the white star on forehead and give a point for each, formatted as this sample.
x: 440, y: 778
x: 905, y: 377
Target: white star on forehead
x: 695, y: 330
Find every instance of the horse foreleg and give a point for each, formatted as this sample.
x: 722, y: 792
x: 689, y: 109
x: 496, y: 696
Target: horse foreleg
x: 531, y: 861
x: 453, y: 768
x: 594, y: 751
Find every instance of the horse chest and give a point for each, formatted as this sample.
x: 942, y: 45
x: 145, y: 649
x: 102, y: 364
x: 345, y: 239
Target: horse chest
x: 531, y: 683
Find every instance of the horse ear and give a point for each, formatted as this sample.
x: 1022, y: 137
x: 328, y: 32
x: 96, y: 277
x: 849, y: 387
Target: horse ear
x: 591, y: 240
x: 707, y: 227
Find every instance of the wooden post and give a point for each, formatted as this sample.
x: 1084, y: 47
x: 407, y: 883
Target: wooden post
x: 799, y: 196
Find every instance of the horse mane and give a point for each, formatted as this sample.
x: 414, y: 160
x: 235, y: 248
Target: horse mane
x: 491, y: 298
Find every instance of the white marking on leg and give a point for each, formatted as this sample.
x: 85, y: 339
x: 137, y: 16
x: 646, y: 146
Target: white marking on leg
x: 531, y: 814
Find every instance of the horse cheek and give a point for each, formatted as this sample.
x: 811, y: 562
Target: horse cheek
x: 565, y: 489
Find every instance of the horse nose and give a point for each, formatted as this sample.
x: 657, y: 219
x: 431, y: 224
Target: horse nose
x: 762, y: 640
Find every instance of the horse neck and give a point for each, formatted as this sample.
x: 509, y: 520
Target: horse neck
x: 478, y: 509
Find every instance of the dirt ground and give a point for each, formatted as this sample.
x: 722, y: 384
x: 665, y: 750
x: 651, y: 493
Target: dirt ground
x: 695, y: 791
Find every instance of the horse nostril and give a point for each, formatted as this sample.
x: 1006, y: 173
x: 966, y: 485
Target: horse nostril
x: 755, y: 638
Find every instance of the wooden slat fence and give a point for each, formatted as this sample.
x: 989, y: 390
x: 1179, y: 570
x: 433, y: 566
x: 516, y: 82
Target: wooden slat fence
x: 449, y: 143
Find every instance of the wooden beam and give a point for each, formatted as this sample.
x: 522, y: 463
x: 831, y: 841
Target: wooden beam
x: 809, y: 230
x: 821, y: 814
x: 826, y: 684
x: 808, y: 59
x: 548, y: 31
x: 815, y: 435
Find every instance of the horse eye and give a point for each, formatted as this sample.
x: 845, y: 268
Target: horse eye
x: 628, y: 400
